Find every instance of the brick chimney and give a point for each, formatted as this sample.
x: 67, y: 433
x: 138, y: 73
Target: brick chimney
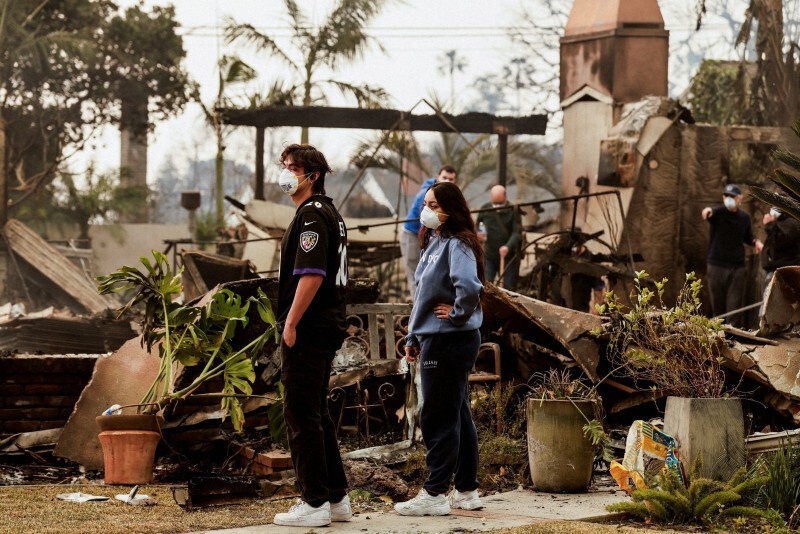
x: 617, y: 47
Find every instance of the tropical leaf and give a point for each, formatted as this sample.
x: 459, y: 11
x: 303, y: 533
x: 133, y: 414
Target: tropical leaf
x: 788, y: 183
x: 248, y: 34
x: 783, y: 202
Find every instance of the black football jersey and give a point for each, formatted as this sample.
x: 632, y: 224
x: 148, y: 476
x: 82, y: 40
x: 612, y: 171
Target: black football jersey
x: 316, y: 243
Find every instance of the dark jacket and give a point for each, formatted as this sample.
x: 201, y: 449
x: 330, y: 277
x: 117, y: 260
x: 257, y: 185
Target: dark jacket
x: 782, y: 245
x: 729, y: 232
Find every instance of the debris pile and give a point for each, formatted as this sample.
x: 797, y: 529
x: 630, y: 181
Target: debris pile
x: 373, y: 398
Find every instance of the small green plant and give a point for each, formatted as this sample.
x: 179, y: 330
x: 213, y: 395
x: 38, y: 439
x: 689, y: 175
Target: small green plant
x: 674, y: 349
x: 187, y: 335
x: 782, y: 493
x: 558, y: 384
x: 670, y: 501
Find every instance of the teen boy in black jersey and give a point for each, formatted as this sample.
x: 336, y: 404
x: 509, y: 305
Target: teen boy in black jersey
x: 311, y: 306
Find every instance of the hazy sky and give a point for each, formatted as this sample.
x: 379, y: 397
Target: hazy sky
x: 414, y: 33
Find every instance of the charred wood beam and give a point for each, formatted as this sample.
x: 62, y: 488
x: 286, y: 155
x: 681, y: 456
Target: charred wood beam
x: 382, y: 119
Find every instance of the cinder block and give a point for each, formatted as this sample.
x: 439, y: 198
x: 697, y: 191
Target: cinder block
x: 711, y: 430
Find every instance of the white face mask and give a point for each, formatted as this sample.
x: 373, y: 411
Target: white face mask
x: 775, y: 212
x: 289, y: 182
x: 429, y: 218
x: 730, y: 202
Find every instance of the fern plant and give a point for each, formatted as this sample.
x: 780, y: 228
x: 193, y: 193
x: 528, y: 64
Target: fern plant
x: 670, y: 501
x: 193, y: 335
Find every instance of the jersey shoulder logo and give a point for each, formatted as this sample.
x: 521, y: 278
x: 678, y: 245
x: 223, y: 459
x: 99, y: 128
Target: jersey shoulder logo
x: 308, y: 240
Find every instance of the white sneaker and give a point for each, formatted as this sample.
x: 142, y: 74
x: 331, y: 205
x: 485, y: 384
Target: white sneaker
x: 424, y: 504
x: 341, y: 511
x: 466, y: 500
x: 303, y: 514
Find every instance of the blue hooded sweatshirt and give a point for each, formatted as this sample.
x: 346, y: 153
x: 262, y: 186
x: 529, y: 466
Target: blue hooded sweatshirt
x: 414, y: 225
x: 447, y: 274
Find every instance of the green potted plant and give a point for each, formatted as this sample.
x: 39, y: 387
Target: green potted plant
x: 184, y: 335
x: 675, y: 351
x: 564, y: 432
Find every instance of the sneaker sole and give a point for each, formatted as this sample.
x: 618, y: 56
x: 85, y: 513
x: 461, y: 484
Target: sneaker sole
x: 341, y: 518
x: 469, y: 506
x: 305, y: 523
x: 421, y: 513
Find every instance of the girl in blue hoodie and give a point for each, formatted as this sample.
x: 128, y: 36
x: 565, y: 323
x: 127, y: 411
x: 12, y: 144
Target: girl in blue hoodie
x: 444, y: 336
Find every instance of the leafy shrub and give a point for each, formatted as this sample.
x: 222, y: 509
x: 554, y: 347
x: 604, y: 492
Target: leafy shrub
x: 202, y: 336
x: 676, y: 349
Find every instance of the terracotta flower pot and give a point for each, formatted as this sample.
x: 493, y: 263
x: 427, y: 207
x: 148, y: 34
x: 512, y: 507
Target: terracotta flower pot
x: 129, y: 447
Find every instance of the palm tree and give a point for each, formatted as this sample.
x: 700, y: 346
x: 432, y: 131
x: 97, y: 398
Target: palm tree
x: 341, y: 38
x: 449, y: 64
x: 230, y: 71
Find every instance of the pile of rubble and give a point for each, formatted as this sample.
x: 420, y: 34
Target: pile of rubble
x: 63, y: 368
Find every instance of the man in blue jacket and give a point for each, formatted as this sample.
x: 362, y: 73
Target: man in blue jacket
x: 409, y: 237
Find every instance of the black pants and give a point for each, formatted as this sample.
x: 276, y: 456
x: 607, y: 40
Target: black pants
x: 446, y: 421
x: 312, y: 436
x: 727, y: 291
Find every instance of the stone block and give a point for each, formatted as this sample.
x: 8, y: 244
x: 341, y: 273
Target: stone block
x: 708, y: 430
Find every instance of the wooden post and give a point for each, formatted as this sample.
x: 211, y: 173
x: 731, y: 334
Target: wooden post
x: 502, y: 158
x: 259, y: 186
x: 3, y: 176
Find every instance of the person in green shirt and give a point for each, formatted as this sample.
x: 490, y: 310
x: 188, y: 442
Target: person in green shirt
x: 500, y: 231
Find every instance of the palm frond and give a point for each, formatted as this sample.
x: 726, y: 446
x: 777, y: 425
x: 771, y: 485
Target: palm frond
x: 343, y: 36
x: 276, y: 95
x: 234, y: 70
x: 787, y: 157
x: 366, y: 96
x: 249, y: 35
x: 784, y: 203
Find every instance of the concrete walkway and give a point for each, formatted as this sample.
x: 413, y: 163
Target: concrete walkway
x: 503, y: 510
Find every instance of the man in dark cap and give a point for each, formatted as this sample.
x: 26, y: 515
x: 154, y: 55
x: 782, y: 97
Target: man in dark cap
x: 730, y: 230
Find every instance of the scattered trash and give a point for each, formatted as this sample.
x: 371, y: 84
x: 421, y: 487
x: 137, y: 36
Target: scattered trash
x: 114, y: 409
x: 80, y: 497
x: 644, y: 439
x: 221, y: 490
x: 134, y: 499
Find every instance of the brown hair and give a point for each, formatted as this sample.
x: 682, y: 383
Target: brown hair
x: 311, y: 160
x: 459, y: 223
x: 447, y: 168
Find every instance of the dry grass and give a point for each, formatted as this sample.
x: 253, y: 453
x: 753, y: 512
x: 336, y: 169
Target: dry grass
x: 578, y: 527
x: 35, y: 509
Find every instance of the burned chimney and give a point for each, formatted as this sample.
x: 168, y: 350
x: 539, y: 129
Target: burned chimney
x: 613, y: 52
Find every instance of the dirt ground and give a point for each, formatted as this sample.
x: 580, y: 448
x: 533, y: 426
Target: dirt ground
x: 35, y: 509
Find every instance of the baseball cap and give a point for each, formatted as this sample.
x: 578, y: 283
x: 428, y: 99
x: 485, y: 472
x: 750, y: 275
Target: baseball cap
x: 731, y: 190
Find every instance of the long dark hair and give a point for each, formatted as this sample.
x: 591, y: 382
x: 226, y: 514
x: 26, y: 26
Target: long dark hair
x: 458, y: 224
